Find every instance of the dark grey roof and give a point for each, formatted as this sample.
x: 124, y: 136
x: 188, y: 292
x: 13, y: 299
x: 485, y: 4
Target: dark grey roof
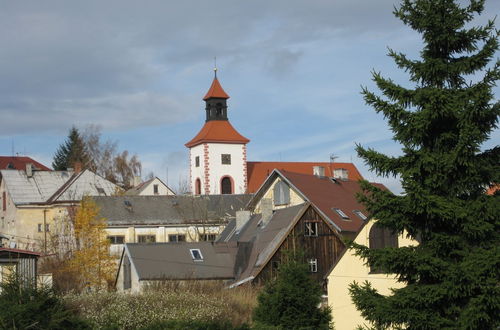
x: 174, y: 260
x: 228, y: 231
x: 164, y: 210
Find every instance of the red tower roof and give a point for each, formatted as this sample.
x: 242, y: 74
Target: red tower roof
x: 216, y: 91
x: 217, y: 131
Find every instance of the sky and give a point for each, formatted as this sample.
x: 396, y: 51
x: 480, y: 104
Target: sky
x: 139, y: 69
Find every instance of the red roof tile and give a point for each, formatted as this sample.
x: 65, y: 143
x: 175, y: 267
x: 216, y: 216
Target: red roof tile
x: 216, y: 91
x: 259, y: 171
x: 326, y: 195
x: 19, y: 163
x: 217, y: 131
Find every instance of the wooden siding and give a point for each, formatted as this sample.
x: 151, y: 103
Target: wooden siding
x: 326, y: 247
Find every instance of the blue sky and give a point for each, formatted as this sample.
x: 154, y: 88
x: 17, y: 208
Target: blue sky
x: 139, y: 70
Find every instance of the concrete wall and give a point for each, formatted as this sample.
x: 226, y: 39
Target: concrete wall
x: 351, y: 268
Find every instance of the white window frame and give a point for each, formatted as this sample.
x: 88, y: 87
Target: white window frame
x: 360, y: 214
x: 313, y: 265
x: 193, y: 251
x: 342, y: 214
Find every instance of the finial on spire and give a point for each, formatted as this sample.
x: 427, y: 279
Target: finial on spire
x: 215, y: 66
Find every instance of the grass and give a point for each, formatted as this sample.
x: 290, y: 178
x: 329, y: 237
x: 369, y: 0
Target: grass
x: 167, y: 301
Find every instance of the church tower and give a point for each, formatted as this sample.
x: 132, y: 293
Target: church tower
x: 217, y: 154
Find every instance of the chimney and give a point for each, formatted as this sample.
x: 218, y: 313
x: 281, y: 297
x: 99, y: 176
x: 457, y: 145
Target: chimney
x: 242, y: 218
x: 77, y: 167
x: 29, y: 170
x: 341, y: 174
x: 135, y: 181
x: 319, y: 171
x: 266, y: 208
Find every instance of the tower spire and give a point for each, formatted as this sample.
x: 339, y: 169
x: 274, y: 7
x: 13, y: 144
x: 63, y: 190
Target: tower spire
x: 215, y: 67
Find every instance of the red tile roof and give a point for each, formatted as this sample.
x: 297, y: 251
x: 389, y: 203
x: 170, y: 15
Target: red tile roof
x: 19, y: 163
x: 217, y: 131
x: 216, y: 91
x: 326, y: 194
x: 259, y: 171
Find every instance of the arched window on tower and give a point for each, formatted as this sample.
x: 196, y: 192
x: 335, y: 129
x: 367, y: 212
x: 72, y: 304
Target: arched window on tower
x: 226, y: 186
x: 197, y: 187
x: 379, y: 238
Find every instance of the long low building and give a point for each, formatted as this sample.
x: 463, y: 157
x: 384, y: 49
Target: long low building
x: 154, y: 219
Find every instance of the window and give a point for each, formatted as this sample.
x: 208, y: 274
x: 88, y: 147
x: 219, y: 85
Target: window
x: 197, y: 161
x: 40, y: 227
x: 100, y: 191
x: 176, y: 238
x: 155, y: 189
x: 4, y: 201
x: 146, y: 238
x: 226, y: 159
x: 226, y: 186
x: 341, y: 213
x: 208, y: 237
x: 197, y: 187
x: 360, y: 214
x: 116, y: 239
x: 313, y: 265
x: 47, y: 227
x: 196, y: 254
x: 281, y: 193
x: 311, y: 228
x: 379, y: 238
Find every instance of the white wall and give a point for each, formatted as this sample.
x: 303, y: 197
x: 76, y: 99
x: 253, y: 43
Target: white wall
x: 162, y: 189
x: 216, y: 170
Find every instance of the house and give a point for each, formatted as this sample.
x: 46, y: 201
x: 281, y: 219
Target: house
x: 19, y: 163
x: 291, y: 211
x: 35, y: 204
x: 151, y: 187
x: 350, y: 268
x: 21, y: 263
x: 151, y: 219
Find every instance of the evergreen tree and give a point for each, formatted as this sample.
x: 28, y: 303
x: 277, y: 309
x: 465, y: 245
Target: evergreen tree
x: 442, y: 122
x: 291, y: 300
x: 71, y: 151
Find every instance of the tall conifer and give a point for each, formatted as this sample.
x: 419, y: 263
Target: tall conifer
x: 73, y: 150
x: 442, y: 121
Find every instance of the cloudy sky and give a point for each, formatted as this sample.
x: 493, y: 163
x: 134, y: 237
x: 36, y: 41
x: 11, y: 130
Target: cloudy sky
x: 139, y: 69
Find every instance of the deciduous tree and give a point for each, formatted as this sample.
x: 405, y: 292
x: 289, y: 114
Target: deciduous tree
x: 91, y: 259
x: 442, y: 121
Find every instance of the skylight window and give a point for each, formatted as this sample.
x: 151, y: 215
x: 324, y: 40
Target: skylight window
x: 360, y: 214
x: 196, y: 254
x: 341, y: 213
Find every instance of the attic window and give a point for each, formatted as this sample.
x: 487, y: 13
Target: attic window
x: 127, y: 203
x: 313, y: 265
x: 360, y: 214
x: 341, y: 213
x: 311, y: 228
x: 196, y: 254
x: 101, y: 191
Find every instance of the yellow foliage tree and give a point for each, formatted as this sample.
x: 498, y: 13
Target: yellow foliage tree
x: 91, y: 260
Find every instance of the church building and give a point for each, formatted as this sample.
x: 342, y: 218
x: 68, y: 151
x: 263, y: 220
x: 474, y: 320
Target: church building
x: 218, y: 155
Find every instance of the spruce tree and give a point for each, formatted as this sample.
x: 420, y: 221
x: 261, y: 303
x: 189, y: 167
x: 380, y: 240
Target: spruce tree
x: 442, y: 121
x: 71, y: 151
x: 291, y: 300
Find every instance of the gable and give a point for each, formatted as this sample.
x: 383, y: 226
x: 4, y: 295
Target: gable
x: 268, y: 191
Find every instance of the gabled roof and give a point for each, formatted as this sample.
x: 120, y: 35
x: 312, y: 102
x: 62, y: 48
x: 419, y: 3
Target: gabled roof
x: 259, y: 171
x: 53, y: 186
x: 165, y: 210
x: 324, y: 193
x: 19, y: 163
x: 217, y: 131
x: 137, y: 190
x: 174, y: 260
x: 216, y: 91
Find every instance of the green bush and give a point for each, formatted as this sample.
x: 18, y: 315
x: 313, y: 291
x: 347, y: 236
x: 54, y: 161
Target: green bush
x: 28, y: 307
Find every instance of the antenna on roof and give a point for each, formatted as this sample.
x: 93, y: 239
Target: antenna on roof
x: 333, y: 157
x: 215, y: 66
